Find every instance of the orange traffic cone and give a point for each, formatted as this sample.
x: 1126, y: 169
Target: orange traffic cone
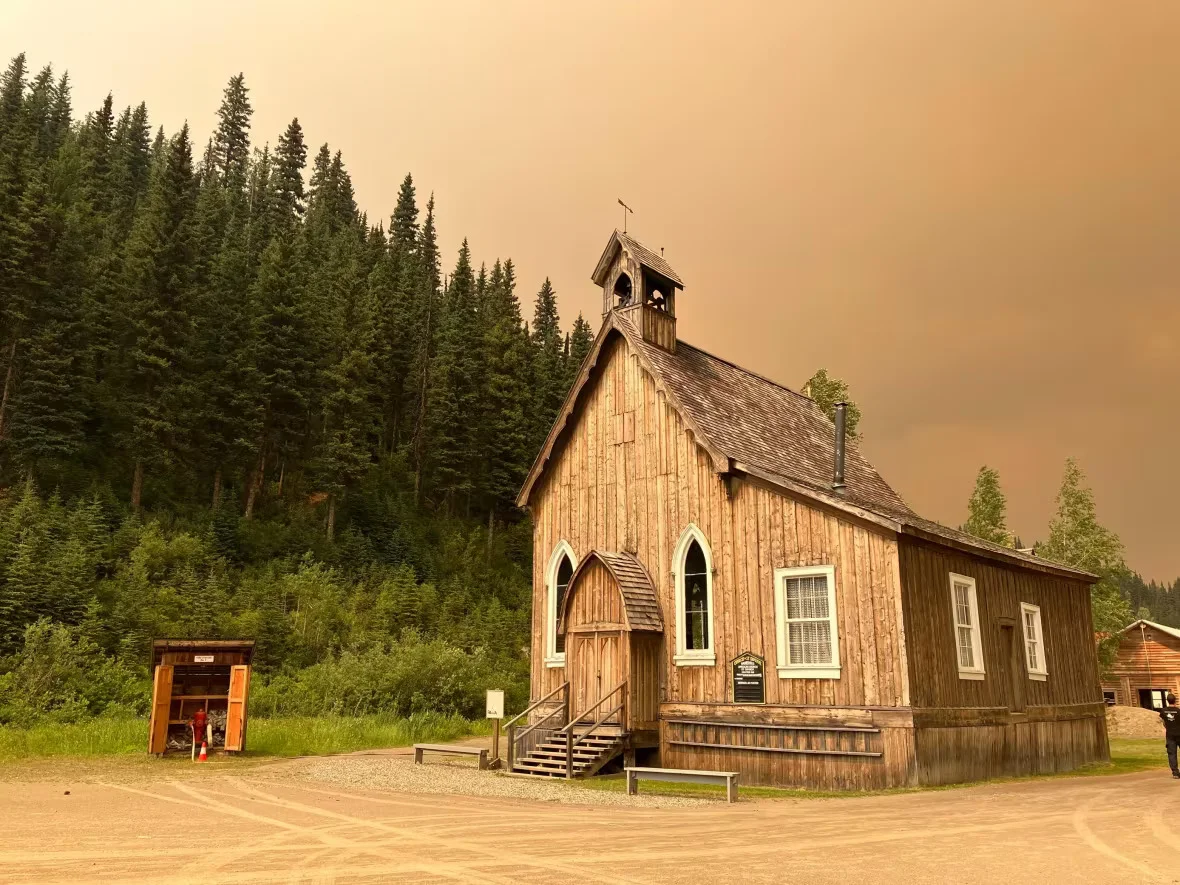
x: 204, y: 752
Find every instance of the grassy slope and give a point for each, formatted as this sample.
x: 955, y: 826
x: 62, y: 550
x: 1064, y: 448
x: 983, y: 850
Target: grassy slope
x: 294, y: 736
x: 1126, y: 757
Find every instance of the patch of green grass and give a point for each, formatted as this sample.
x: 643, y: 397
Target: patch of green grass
x: 1126, y: 757
x: 321, y: 735
x: 95, y: 737
x: 286, y: 736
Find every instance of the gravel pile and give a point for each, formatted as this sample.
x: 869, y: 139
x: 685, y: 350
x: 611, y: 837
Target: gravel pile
x: 400, y: 774
x: 1133, y: 722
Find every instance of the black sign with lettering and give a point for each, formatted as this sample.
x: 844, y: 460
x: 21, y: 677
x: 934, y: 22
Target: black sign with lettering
x: 749, y: 679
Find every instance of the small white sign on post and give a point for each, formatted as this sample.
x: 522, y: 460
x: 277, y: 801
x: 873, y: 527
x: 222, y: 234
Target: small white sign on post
x: 203, y: 659
x: 495, y: 704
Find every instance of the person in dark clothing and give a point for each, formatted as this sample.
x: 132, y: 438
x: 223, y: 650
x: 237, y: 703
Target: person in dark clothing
x: 1171, y: 717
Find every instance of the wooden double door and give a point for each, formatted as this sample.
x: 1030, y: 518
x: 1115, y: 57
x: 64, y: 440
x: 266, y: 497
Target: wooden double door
x: 596, y: 662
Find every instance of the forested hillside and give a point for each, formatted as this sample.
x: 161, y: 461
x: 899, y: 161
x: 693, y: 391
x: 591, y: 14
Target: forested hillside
x: 235, y: 405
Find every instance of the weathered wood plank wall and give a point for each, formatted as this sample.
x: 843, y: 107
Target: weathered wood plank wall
x: 631, y: 477
x: 1069, y: 647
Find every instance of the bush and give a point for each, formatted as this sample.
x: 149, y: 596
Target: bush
x: 61, y: 675
x: 407, y: 677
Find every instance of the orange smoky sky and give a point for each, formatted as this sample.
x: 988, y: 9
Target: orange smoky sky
x: 969, y: 211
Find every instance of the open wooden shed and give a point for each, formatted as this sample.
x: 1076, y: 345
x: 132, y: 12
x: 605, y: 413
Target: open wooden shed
x: 208, y: 674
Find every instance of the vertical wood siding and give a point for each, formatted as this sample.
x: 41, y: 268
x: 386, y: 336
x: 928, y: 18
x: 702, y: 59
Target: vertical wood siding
x: 1069, y: 647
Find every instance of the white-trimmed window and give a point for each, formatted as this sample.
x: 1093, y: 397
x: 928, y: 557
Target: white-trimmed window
x: 968, y: 642
x: 1034, y: 642
x: 805, y: 620
x: 557, y: 581
x: 692, y: 569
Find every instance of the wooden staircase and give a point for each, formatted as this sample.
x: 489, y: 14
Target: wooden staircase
x: 553, y: 746
x: 550, y: 757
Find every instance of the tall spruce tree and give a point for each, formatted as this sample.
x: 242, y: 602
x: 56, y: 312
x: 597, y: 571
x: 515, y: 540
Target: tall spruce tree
x: 549, y: 376
x: 231, y: 141
x: 154, y: 306
x: 454, y: 388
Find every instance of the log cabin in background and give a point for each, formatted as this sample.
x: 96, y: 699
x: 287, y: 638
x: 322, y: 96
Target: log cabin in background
x: 1146, y: 666
x: 719, y: 583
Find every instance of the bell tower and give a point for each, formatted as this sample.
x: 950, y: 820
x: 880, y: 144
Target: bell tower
x: 640, y: 286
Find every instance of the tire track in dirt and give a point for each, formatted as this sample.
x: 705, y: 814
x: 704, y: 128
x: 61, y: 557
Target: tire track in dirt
x: 1082, y: 828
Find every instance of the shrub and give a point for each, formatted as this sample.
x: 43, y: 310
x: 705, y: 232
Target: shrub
x: 61, y: 675
x: 407, y: 677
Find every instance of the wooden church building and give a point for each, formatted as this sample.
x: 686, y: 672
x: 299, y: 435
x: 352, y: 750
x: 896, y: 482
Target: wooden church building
x: 720, y: 582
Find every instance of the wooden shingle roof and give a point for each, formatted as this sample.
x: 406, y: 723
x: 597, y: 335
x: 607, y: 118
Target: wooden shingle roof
x: 640, y: 604
x: 640, y: 252
x: 762, y: 424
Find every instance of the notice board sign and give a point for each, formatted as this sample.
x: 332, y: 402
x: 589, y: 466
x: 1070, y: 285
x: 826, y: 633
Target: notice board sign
x: 495, y: 704
x: 749, y: 679
x: 203, y: 659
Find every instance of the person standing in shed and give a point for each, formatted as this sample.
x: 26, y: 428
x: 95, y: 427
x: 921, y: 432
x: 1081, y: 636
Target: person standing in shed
x: 1171, y: 717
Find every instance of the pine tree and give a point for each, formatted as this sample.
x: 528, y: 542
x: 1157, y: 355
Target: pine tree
x: 278, y: 365
x: 231, y: 141
x: 48, y: 406
x: 425, y: 328
x: 581, y: 340
x: 288, y: 201
x: 987, y: 510
x: 454, y: 387
x: 346, y: 379
x: 1077, y: 539
x: 549, y: 378
x: 504, y: 417
x: 826, y: 391
x: 155, y: 301
x: 403, y: 224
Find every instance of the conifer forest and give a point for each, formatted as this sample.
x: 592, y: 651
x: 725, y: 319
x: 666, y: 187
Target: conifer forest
x: 235, y: 406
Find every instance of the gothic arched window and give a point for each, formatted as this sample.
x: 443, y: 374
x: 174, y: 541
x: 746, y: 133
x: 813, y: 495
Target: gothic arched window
x: 557, y: 581
x: 693, y: 566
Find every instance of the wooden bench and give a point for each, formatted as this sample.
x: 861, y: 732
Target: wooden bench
x: 481, y: 752
x: 683, y: 776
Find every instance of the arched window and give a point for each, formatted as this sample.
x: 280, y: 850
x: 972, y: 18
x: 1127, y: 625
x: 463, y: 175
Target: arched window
x: 565, y: 571
x: 557, y: 581
x: 693, y: 568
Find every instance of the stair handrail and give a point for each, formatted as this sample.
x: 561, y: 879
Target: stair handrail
x: 602, y: 700
x: 534, y: 705
x: 510, y: 725
x: 571, y: 742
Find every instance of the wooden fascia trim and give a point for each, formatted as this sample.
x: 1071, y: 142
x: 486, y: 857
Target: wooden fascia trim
x: 827, y: 502
x: 1043, y: 566
x: 604, y: 262
x: 563, y: 416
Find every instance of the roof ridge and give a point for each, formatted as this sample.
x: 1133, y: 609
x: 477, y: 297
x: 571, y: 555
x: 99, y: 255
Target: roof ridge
x: 681, y: 342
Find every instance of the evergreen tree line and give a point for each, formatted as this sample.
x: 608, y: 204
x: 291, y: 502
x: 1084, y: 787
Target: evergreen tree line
x: 220, y: 329
x: 220, y: 381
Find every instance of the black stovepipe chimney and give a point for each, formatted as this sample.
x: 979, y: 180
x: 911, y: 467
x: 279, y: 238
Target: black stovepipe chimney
x: 841, y: 433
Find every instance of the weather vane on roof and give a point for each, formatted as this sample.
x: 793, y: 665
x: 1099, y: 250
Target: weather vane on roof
x: 626, y: 209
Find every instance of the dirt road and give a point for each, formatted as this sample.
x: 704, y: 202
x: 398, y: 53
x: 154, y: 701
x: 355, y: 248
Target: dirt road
x: 261, y: 825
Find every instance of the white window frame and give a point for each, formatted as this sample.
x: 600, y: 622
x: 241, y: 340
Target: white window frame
x: 554, y: 658
x: 977, y: 672
x: 787, y: 670
x: 686, y: 657
x: 1040, y: 673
